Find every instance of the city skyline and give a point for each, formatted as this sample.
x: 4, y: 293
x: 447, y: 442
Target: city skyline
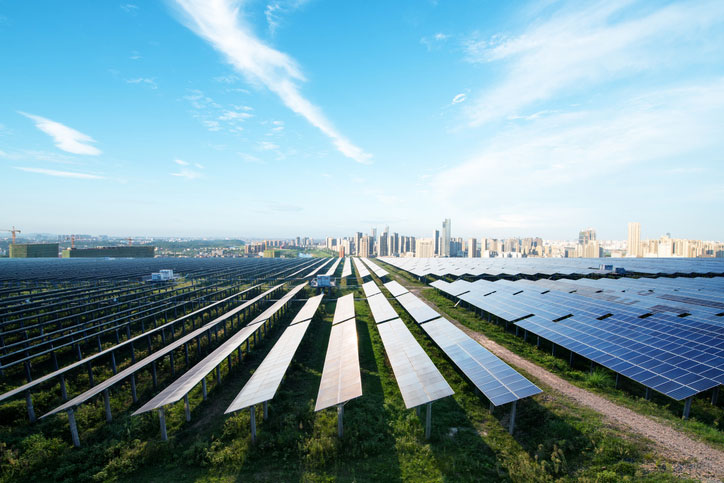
x: 230, y: 119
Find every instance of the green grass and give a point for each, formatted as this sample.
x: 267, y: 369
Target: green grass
x: 706, y: 421
x: 554, y: 441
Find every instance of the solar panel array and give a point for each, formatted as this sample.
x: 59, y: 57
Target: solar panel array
x: 133, y: 368
x: 376, y: 269
x: 361, y: 269
x: 417, y: 377
x: 181, y: 386
x: 498, y: 267
x: 347, y: 268
x: 265, y: 381
x: 333, y: 268
x: 341, y: 376
x: 667, y: 333
x: 499, y: 382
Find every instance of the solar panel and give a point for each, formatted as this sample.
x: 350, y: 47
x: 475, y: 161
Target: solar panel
x: 333, y: 268
x: 181, y: 386
x: 133, y: 368
x: 341, y: 376
x: 347, y: 268
x: 418, y: 309
x: 344, y: 309
x: 499, y: 382
x: 417, y: 377
x: 376, y: 269
x: 382, y: 311
x: 395, y: 288
x: 265, y: 381
x: 361, y: 269
x: 370, y: 288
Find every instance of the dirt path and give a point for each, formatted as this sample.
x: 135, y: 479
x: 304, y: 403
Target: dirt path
x: 697, y: 459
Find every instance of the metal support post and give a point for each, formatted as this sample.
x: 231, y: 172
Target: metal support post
x: 186, y: 354
x: 511, y: 426
x: 113, y: 362
x: 133, y: 388
x: 266, y: 410
x: 647, y: 395
x: 29, y: 403
x: 63, y: 390
x: 252, y: 421
x: 153, y: 374
x: 187, y: 407
x: 715, y: 396
x: 173, y: 366
x: 687, y: 408
x: 218, y: 375
x: 553, y: 349
x: 203, y: 388
x: 428, y: 421
x: 491, y: 408
x: 73, y: 429
x: 617, y: 380
x: 537, y: 344
x: 340, y: 415
x: 90, y: 373
x: 162, y: 421
x: 107, y: 404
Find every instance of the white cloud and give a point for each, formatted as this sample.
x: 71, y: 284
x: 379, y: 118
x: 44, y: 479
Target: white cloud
x: 433, y: 42
x: 181, y: 162
x: 66, y: 138
x: 586, y: 47
x: 267, y: 146
x: 187, y: 173
x: 248, y: 158
x: 274, y: 11
x: 459, y: 98
x: 220, y: 23
x: 129, y: 8
x: 135, y: 55
x: 149, y: 81
x: 60, y: 174
x: 537, y: 165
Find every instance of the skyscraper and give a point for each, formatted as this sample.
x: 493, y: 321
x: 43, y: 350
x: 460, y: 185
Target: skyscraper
x: 445, y: 238
x: 436, y: 243
x: 472, y: 248
x: 585, y: 236
x: 633, y: 249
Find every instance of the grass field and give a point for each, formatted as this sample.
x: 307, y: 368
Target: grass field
x: 383, y: 441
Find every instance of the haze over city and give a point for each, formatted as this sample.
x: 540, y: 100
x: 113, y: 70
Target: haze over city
x: 254, y: 119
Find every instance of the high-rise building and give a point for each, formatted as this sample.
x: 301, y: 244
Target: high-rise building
x: 357, y: 237
x: 472, y: 248
x: 424, y: 248
x: 436, y: 243
x: 633, y: 249
x: 445, y: 238
x: 585, y: 236
x: 364, y: 246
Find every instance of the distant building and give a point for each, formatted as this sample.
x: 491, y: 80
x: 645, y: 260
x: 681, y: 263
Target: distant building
x: 33, y: 250
x: 633, y: 249
x: 585, y: 236
x: 436, y: 243
x: 445, y: 239
x: 472, y: 248
x: 130, y: 251
x: 364, y: 246
x: 424, y: 248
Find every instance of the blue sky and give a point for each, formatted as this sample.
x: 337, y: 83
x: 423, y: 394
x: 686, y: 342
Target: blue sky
x: 281, y: 118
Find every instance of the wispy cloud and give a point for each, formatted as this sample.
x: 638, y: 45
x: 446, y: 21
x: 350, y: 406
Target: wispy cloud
x: 584, y: 45
x: 276, y: 9
x: 66, y: 138
x: 541, y: 164
x: 60, y: 174
x: 186, y: 171
x: 147, y: 81
x: 434, y: 42
x: 129, y: 8
x: 220, y: 23
x: 459, y: 98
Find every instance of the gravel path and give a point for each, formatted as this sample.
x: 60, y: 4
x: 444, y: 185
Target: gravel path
x: 695, y: 458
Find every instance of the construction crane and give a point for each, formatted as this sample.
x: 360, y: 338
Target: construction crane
x: 13, y: 231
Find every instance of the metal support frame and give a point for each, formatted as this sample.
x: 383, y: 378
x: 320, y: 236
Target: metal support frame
x: 153, y: 374
x: 133, y: 388
x: 266, y: 410
x: 107, y: 404
x: 687, y: 408
x: 187, y: 407
x: 511, y: 426
x: 428, y: 421
x: 63, y: 389
x: 715, y: 396
x: 162, y: 422
x: 29, y: 403
x: 252, y: 422
x: 203, y: 388
x: 113, y: 363
x: 340, y: 425
x: 73, y: 428
x: 647, y: 394
x: 570, y: 359
x: 617, y: 380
